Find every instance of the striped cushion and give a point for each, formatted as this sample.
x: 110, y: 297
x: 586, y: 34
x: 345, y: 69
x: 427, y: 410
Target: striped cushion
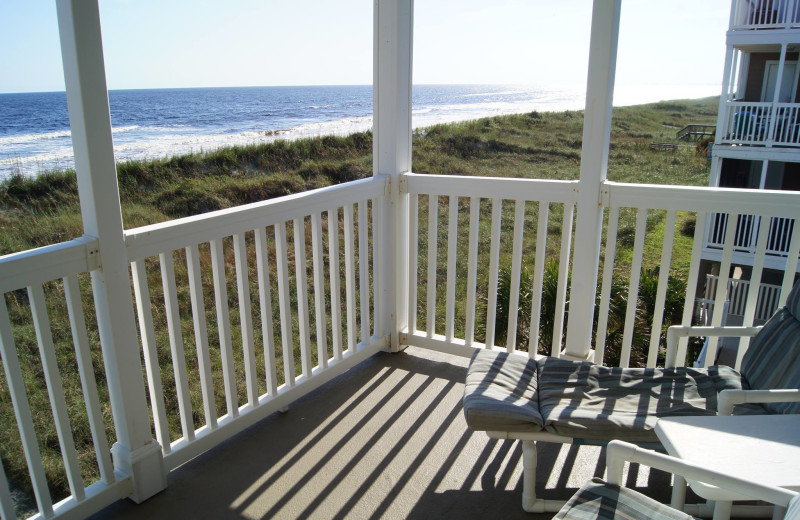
x: 793, y: 301
x: 500, y: 393
x: 773, y: 359
x: 597, y: 499
x: 588, y: 401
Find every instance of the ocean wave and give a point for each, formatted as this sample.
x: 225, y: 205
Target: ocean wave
x: 29, y: 138
x: 121, y: 129
x: 500, y: 93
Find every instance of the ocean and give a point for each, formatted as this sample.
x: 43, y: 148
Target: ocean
x: 149, y: 124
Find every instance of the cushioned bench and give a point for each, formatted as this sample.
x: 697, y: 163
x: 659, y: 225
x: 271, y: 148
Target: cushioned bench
x: 509, y: 392
x: 511, y: 396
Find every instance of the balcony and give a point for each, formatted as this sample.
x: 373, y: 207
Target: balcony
x: 764, y: 14
x: 746, y: 231
x: 296, y: 302
x: 760, y: 124
x: 737, y: 300
x: 386, y: 440
x: 205, y: 389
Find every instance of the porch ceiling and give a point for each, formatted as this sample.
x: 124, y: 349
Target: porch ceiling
x: 386, y: 439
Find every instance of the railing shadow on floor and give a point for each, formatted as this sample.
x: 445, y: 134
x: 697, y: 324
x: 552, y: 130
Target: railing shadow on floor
x: 387, y: 439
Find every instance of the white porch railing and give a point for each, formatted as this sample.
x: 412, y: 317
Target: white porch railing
x: 737, y: 298
x: 764, y: 14
x: 746, y: 122
x: 746, y: 232
x: 286, y: 296
x: 787, y: 124
x: 753, y: 123
x: 267, y: 245
x: 492, y: 246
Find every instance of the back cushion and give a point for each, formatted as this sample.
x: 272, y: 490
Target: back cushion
x: 773, y: 359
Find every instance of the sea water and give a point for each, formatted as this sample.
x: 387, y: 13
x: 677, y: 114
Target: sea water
x: 149, y: 124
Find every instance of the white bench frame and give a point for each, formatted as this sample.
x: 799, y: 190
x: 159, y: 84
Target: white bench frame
x: 727, y: 399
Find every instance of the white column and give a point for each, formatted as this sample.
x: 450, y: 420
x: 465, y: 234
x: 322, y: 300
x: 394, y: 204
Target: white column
x: 392, y: 55
x: 594, y: 169
x: 135, y: 452
x: 727, y: 80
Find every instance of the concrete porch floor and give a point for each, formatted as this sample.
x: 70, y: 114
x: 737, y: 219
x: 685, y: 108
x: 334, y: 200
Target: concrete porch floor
x: 385, y: 440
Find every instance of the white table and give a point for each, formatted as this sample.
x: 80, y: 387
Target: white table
x: 761, y: 448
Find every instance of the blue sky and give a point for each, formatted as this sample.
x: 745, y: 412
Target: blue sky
x: 201, y: 43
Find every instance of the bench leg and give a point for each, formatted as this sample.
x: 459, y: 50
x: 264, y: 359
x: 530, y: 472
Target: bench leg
x: 530, y: 503
x: 529, y: 457
x: 678, y: 493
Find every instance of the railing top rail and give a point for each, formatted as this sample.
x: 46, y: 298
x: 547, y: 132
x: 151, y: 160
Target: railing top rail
x: 492, y: 187
x: 695, y: 198
x: 168, y: 236
x: 741, y: 103
x: 19, y: 270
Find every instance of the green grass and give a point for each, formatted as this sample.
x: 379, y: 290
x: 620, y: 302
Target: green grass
x: 45, y: 210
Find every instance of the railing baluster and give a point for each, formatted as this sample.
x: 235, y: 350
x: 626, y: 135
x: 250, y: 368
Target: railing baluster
x: 722, y: 286
x: 22, y: 412
x: 608, y: 280
x: 201, y: 335
x: 413, y: 247
x: 516, y: 267
x: 377, y: 268
x: 633, y: 287
x: 319, y: 290
x: 563, y: 278
x: 245, y: 318
x: 661, y: 291
x: 791, y: 265
x: 176, y: 344
x: 282, y: 261
x: 494, y: 265
x: 6, y: 502
x: 265, y: 301
x: 472, y: 269
x: 301, y: 280
x: 350, y: 278
x: 433, y: 234
x: 91, y: 398
x: 363, y: 270
x: 55, y: 390
x: 149, y: 348
x: 538, y: 277
x: 224, y: 326
x: 335, y: 277
x: 452, y: 241
x: 691, y: 283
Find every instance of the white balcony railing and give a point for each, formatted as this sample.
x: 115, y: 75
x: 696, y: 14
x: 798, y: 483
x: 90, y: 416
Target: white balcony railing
x: 737, y: 298
x: 764, y: 14
x: 760, y: 124
x: 746, y: 232
x: 213, y: 365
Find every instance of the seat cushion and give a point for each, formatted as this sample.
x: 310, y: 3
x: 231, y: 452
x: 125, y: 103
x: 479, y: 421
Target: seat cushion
x: 600, y: 500
x: 582, y: 400
x: 500, y: 393
x: 773, y: 359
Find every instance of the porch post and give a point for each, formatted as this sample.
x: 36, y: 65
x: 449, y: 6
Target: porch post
x: 723, y: 121
x: 135, y: 453
x: 392, y: 55
x: 594, y: 166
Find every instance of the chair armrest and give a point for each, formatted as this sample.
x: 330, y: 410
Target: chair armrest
x: 676, y: 332
x: 618, y: 452
x: 729, y: 398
